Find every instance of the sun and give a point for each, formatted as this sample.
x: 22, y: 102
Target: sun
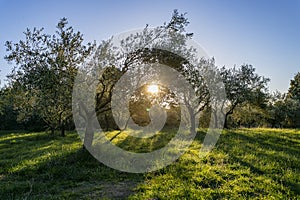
x: 153, y: 89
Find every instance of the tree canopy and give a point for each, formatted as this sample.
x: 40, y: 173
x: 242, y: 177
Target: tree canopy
x: 44, y: 72
x: 45, y: 66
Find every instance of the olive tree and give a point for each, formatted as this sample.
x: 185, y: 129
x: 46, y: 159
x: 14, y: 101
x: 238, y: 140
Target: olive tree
x: 45, y: 67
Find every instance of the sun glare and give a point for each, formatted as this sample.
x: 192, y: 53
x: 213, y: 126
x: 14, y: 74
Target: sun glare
x: 153, y: 89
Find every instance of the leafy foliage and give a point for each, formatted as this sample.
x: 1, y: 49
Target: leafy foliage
x: 293, y: 100
x: 242, y: 85
x: 45, y: 69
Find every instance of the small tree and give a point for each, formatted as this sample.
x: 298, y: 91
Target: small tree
x: 241, y: 85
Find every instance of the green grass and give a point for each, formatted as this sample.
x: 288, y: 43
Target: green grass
x: 245, y: 164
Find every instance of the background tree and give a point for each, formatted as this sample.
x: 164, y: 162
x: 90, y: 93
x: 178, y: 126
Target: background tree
x: 202, y: 75
x: 8, y: 115
x: 293, y: 99
x: 247, y: 115
x: 277, y: 110
x: 294, y: 89
x: 241, y: 85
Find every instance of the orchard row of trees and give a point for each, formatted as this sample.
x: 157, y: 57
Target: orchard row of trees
x: 38, y: 95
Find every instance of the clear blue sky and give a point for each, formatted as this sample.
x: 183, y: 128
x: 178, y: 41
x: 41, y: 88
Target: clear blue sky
x: 264, y: 33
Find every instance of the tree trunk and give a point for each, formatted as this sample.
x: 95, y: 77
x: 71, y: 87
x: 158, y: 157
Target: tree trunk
x: 89, y: 135
x: 52, y: 131
x: 62, y: 130
x: 106, y: 122
x: 225, y: 121
x: 215, y: 119
x: 193, y: 123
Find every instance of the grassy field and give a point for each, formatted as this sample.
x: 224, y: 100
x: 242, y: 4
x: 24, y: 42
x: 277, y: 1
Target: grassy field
x: 245, y: 164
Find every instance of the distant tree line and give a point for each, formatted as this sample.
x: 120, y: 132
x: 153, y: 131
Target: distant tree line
x: 38, y: 95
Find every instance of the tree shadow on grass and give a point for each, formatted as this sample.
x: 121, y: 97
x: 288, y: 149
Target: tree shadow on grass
x: 57, y: 168
x: 57, y: 173
x: 273, y: 155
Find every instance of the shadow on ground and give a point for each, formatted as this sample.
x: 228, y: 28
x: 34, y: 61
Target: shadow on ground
x: 245, y: 164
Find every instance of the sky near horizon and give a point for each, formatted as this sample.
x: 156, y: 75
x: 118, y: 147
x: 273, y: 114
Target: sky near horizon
x: 264, y: 33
